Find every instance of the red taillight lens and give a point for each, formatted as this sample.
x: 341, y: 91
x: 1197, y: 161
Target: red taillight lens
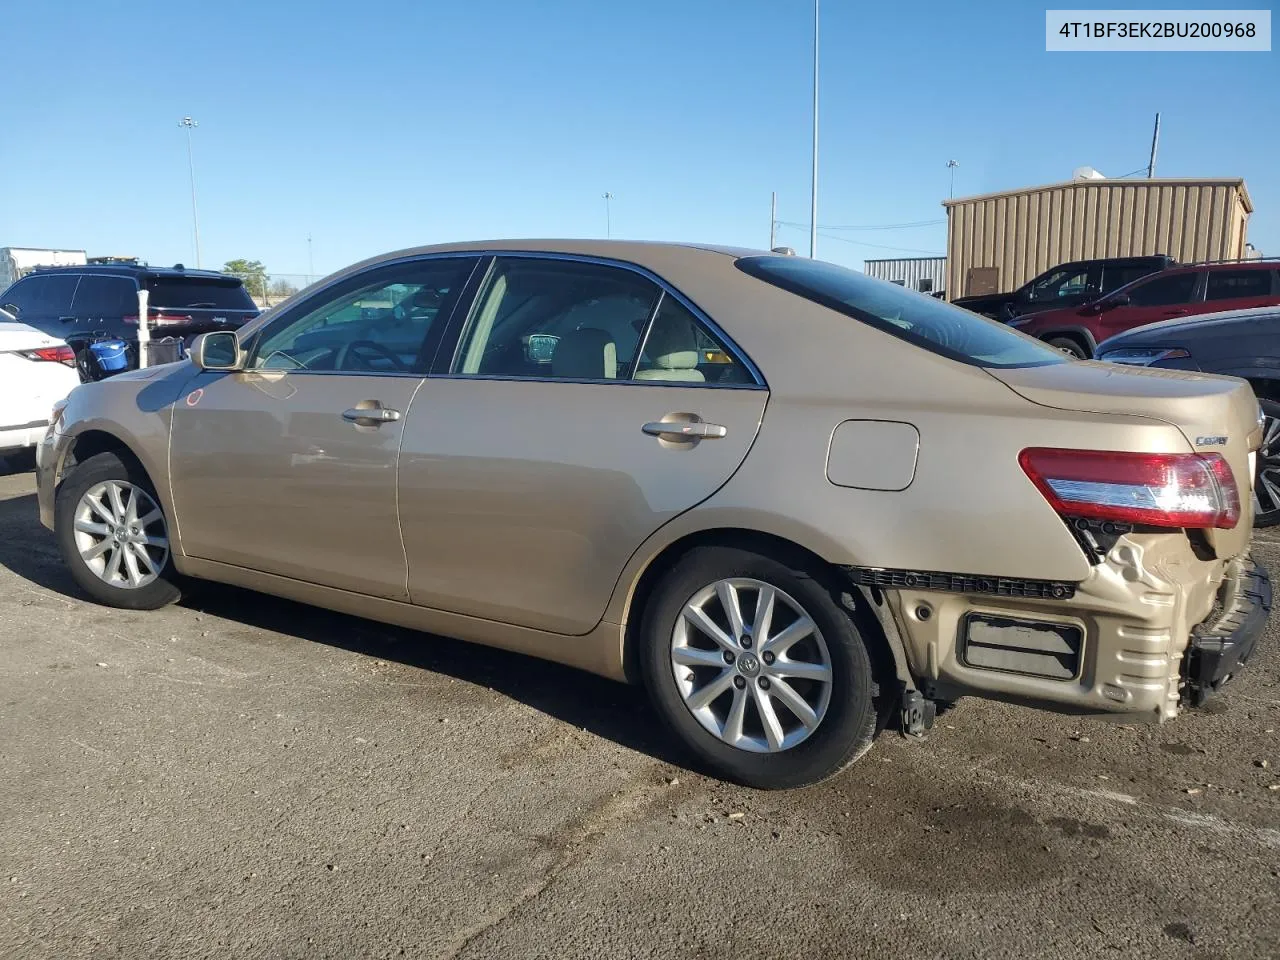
x: 1157, y: 489
x: 61, y: 354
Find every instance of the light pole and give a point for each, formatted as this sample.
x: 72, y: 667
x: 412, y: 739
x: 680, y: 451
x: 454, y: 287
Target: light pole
x: 813, y: 183
x: 608, y: 221
x: 951, y: 165
x: 191, y: 168
x: 311, y: 263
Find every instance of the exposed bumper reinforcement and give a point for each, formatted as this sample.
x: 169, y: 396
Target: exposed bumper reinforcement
x: 1221, y: 645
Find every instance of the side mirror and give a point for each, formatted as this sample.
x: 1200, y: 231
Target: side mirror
x: 1120, y: 300
x: 218, y: 350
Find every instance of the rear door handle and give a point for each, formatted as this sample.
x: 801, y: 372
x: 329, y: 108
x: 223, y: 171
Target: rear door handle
x: 685, y: 430
x: 370, y: 416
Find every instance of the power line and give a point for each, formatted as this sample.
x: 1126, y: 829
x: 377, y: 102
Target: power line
x: 862, y: 243
x: 871, y: 226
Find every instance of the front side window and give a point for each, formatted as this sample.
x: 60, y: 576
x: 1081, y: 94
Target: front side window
x: 541, y: 318
x: 1233, y: 284
x: 374, y: 323
x: 921, y: 320
x: 1065, y: 282
x: 56, y: 294
x: 1164, y: 291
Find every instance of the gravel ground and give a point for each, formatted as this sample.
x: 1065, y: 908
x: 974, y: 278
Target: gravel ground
x: 245, y: 777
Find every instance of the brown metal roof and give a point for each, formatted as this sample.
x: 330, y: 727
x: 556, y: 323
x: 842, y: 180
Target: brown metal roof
x: 1156, y: 181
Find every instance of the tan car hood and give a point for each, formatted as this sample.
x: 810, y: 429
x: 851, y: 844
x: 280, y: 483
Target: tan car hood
x: 1204, y: 407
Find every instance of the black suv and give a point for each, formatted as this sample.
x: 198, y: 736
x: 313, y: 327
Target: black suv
x: 82, y: 304
x: 1066, y: 285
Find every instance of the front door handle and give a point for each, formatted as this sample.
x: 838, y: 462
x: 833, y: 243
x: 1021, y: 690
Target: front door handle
x: 685, y: 430
x: 370, y: 416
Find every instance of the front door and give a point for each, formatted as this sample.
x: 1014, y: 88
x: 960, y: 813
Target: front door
x: 583, y: 408
x: 1164, y: 296
x: 289, y: 467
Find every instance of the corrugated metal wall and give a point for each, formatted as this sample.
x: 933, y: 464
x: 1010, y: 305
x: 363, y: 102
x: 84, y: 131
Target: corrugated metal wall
x: 1023, y: 233
x: 910, y: 271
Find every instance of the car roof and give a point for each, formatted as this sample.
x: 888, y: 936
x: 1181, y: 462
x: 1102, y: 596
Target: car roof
x: 133, y: 270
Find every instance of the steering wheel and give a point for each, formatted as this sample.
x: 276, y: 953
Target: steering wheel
x: 354, y: 348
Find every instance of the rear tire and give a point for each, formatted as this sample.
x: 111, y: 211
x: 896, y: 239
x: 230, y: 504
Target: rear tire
x: 1266, y: 478
x: 113, y: 535
x: 691, y: 648
x: 1069, y: 345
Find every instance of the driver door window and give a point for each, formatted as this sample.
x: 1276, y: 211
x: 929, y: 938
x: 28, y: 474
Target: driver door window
x: 1067, y: 282
x: 375, y: 324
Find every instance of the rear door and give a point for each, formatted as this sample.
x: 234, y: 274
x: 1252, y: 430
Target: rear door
x: 583, y: 407
x: 1241, y: 287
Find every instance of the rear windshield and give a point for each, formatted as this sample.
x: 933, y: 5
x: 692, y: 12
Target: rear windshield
x: 197, y: 292
x: 919, y: 319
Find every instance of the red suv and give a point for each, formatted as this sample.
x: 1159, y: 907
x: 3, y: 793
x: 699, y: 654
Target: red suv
x: 1177, y: 292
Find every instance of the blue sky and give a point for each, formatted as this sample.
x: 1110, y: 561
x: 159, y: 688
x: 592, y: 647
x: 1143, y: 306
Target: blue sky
x: 388, y: 123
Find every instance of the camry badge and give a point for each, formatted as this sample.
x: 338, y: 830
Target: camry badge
x: 1211, y: 441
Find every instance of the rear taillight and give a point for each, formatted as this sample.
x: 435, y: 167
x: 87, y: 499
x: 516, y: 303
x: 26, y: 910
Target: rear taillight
x: 63, y: 354
x: 1157, y: 489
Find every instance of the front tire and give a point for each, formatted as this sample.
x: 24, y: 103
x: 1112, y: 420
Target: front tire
x: 1070, y: 346
x: 113, y: 534
x: 756, y: 667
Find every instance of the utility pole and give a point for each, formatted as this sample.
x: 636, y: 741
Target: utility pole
x: 608, y: 221
x: 813, y: 183
x: 191, y: 168
x: 311, y: 264
x: 1155, y: 144
x: 773, y: 219
x: 951, y: 165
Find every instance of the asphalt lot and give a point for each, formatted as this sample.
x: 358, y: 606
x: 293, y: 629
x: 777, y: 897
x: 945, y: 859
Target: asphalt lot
x: 244, y: 777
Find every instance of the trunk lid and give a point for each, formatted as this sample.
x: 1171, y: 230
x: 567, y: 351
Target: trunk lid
x: 1215, y: 414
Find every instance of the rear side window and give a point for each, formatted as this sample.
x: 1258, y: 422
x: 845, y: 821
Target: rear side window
x: 1115, y: 277
x: 1231, y: 284
x: 921, y: 320
x: 106, y: 297
x: 194, y: 293
x: 1162, y: 291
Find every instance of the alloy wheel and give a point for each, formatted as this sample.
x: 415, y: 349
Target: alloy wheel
x: 1266, y: 480
x: 751, y: 665
x: 120, y: 534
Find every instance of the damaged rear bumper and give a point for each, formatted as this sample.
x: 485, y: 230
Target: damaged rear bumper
x: 1222, y: 644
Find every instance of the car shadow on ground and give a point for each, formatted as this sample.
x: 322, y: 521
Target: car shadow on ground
x: 607, y: 709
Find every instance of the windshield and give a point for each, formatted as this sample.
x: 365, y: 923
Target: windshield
x: 199, y: 292
x: 922, y: 320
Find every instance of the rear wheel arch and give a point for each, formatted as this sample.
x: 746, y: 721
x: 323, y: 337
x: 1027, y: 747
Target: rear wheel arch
x: 884, y: 662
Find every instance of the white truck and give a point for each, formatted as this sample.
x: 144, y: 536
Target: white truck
x: 17, y: 262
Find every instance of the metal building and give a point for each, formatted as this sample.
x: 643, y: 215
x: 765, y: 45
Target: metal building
x: 999, y: 241
x: 926, y: 274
